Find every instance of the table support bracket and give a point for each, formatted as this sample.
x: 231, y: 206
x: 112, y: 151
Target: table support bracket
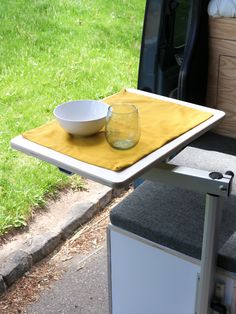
x: 193, y: 179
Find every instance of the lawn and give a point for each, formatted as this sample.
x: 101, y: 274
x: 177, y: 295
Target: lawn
x: 53, y: 51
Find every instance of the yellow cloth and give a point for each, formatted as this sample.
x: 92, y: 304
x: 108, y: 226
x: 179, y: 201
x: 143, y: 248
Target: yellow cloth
x: 161, y: 122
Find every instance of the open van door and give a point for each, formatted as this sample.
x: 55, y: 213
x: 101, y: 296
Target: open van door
x: 174, y: 51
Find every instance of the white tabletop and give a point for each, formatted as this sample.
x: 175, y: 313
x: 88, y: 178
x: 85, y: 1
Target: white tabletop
x: 118, y: 179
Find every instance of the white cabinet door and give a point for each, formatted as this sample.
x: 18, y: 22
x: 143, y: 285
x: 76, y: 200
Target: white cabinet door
x: 147, y: 280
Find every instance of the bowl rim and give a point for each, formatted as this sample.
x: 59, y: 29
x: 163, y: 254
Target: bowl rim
x: 80, y: 100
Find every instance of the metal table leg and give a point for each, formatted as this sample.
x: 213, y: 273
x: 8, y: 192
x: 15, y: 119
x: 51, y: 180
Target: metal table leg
x: 213, y: 213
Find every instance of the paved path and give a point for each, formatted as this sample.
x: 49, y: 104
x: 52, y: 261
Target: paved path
x: 82, y: 291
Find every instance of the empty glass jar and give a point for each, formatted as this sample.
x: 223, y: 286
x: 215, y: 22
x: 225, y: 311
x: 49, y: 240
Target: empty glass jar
x: 122, y: 126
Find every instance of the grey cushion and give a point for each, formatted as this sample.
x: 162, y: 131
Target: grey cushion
x: 174, y: 217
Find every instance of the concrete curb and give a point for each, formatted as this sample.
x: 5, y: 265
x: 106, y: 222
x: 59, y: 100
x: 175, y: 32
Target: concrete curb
x: 16, y: 264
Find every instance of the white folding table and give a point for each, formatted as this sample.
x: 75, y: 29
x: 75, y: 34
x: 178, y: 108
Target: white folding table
x: 154, y: 168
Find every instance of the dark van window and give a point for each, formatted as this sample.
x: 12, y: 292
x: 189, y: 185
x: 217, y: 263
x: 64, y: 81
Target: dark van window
x: 181, y: 22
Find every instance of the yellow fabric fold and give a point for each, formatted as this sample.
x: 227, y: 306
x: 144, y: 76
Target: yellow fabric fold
x: 161, y: 122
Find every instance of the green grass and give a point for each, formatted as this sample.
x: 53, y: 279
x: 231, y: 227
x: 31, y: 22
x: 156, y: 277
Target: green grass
x: 53, y: 51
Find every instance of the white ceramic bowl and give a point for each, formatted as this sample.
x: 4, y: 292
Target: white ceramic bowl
x: 81, y: 117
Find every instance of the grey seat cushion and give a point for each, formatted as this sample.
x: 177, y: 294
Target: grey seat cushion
x: 174, y: 217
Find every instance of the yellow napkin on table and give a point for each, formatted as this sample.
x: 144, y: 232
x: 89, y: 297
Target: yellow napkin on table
x: 161, y: 121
